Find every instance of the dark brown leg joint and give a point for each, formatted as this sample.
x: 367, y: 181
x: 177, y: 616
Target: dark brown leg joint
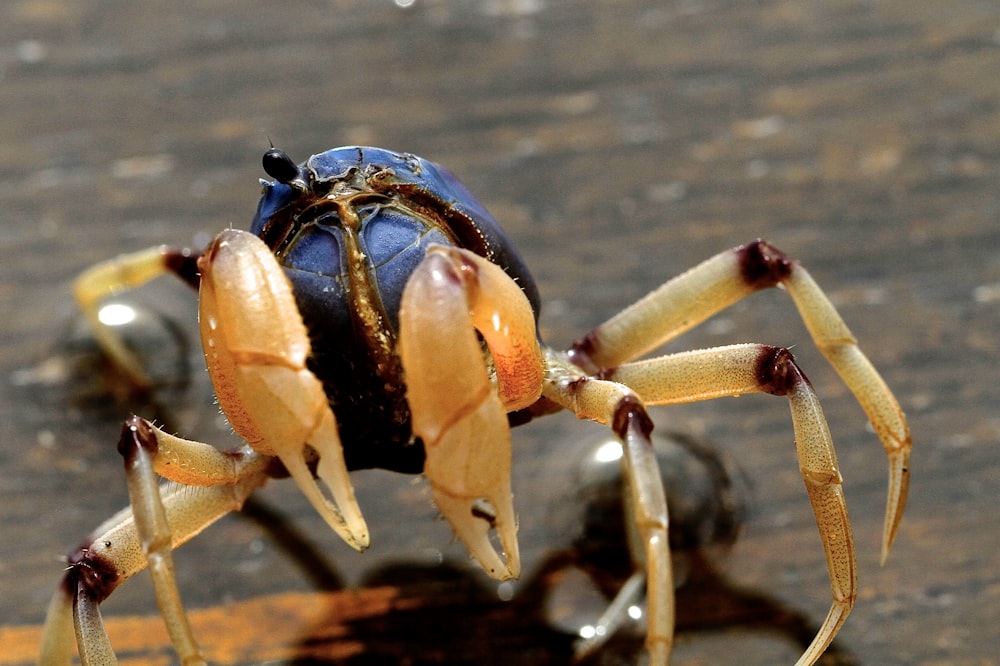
x: 630, y: 417
x: 184, y: 264
x: 777, y: 372
x: 90, y: 574
x: 762, y: 265
x: 137, y: 434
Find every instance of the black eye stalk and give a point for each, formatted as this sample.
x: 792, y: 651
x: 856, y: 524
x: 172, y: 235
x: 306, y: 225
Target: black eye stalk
x: 278, y: 165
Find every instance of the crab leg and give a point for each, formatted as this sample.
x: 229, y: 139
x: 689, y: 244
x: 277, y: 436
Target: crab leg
x: 618, y: 406
x: 159, y: 520
x: 691, y: 298
x: 749, y: 368
x: 127, y: 271
x: 155, y: 535
x: 456, y: 410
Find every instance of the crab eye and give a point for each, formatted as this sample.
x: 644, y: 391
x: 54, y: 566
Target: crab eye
x: 278, y: 165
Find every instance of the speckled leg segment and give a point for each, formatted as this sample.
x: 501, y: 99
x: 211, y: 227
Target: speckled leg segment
x: 608, y: 353
x: 160, y: 519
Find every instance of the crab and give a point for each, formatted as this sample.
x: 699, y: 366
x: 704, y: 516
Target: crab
x: 376, y: 316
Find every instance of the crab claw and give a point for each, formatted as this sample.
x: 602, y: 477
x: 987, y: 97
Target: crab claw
x: 256, y: 347
x: 342, y: 514
x: 468, y: 468
x: 458, y: 412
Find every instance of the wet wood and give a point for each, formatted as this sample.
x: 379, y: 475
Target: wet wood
x: 619, y: 144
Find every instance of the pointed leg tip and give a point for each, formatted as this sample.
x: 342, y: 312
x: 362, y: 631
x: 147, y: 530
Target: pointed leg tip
x: 827, y: 632
x: 889, y: 537
x: 886, y: 547
x: 899, y: 486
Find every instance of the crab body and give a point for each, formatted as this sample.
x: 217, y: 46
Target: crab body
x: 349, y: 226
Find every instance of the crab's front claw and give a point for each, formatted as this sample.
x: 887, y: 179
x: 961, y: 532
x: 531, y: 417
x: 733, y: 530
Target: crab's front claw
x: 342, y: 514
x: 458, y: 412
x: 469, y: 472
x: 256, y: 347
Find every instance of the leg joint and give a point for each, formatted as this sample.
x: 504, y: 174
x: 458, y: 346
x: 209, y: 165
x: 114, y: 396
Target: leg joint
x: 763, y: 265
x: 184, y: 264
x: 90, y: 572
x: 137, y: 434
x: 630, y: 416
x: 777, y: 372
x: 582, y: 352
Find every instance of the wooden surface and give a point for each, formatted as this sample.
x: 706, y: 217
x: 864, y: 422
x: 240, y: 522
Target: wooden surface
x: 619, y: 143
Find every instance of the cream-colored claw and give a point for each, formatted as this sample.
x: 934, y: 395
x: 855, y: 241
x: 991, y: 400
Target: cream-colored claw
x: 456, y: 410
x: 256, y: 348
